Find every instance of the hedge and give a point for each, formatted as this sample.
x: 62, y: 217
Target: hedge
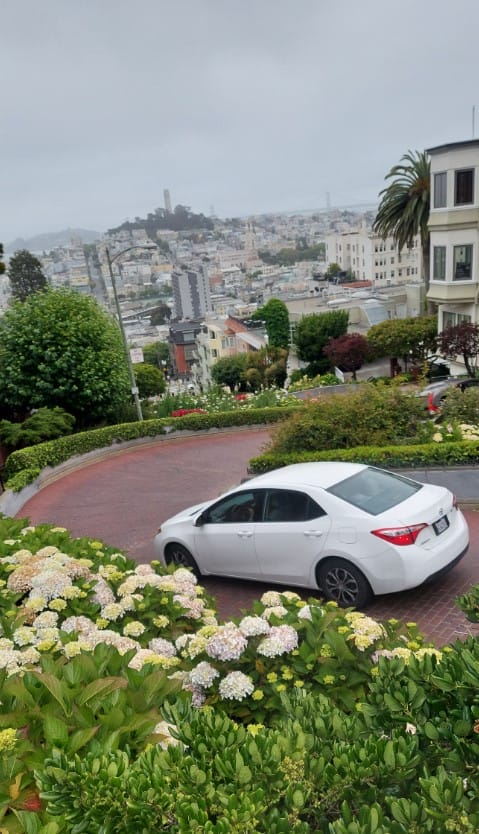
x: 464, y: 452
x: 23, y: 466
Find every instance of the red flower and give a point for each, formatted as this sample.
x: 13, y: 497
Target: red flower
x: 32, y: 803
x: 182, y: 411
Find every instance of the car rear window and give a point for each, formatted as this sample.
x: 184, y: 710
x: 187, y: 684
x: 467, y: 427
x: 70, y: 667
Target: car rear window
x: 375, y: 491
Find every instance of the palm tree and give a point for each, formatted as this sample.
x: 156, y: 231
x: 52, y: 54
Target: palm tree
x: 403, y: 211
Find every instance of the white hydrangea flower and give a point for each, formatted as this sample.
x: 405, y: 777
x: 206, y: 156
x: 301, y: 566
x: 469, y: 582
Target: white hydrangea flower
x: 112, y: 612
x: 228, y: 643
x: 236, y: 686
x: 203, y: 674
x: 134, y: 629
x: 276, y: 610
x: 304, y: 613
x: 271, y: 598
x: 161, y: 646
x: 281, y: 639
x: 47, y: 619
x: 252, y: 626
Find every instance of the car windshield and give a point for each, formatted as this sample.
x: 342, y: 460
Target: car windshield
x: 375, y: 491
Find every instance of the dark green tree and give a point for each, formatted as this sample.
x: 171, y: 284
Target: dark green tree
x: 160, y: 314
x: 230, y: 371
x: 157, y: 354
x: 411, y: 339
x: 59, y: 348
x: 313, y: 333
x: 26, y: 275
x: 403, y: 210
x: 276, y: 318
x: 150, y: 380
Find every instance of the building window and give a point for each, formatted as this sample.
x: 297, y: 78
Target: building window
x: 453, y: 319
x: 464, y: 187
x: 439, y: 263
x: 440, y: 190
x: 462, y: 263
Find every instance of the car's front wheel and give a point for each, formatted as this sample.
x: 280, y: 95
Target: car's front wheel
x: 177, y: 554
x: 342, y: 582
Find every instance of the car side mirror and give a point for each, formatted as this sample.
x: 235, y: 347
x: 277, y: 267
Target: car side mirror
x: 200, y: 520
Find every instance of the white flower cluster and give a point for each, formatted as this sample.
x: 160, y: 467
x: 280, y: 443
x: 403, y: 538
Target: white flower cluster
x: 365, y: 630
x: 228, y: 643
x: 46, y: 575
x: 252, y: 626
x: 280, y: 640
x: 236, y: 686
x: 203, y: 674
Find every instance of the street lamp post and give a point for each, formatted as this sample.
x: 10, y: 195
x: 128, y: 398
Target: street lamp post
x: 134, y: 387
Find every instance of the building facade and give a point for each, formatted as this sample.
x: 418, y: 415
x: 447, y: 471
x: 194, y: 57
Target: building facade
x: 454, y: 232
x: 191, y: 293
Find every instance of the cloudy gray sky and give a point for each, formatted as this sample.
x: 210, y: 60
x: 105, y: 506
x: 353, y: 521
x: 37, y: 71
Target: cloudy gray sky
x: 247, y: 107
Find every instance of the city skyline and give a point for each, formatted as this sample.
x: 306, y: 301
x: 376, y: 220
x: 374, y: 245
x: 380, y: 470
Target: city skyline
x: 249, y: 108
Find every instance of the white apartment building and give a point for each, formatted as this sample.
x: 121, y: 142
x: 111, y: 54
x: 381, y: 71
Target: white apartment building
x: 191, y: 293
x: 370, y: 258
x: 454, y: 232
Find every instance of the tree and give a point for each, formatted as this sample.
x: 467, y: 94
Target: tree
x: 160, y: 314
x: 157, y: 354
x: 230, y: 371
x: 348, y: 352
x: 26, y: 275
x: 332, y: 270
x: 411, y: 339
x: 403, y: 210
x: 314, y: 332
x: 59, y: 348
x: 461, y: 340
x: 2, y: 265
x: 150, y: 380
x: 276, y: 318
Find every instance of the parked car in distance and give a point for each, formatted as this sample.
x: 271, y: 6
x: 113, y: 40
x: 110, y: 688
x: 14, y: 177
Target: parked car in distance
x: 350, y: 530
x: 434, y: 393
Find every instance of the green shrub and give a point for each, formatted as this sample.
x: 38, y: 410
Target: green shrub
x: 370, y: 415
x: 461, y: 407
x: 43, y: 424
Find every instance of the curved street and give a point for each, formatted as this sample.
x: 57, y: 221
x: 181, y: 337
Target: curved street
x: 123, y: 498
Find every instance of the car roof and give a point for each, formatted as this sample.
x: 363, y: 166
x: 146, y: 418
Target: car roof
x: 317, y: 474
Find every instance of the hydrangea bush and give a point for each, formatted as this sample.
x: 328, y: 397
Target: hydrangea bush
x: 126, y: 706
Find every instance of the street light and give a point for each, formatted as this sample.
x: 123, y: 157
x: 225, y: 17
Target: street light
x: 134, y: 387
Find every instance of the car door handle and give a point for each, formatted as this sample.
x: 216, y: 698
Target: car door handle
x: 313, y: 534
x: 244, y: 534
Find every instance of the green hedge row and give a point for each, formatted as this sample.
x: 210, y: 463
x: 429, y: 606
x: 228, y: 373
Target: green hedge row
x: 23, y: 466
x: 462, y: 452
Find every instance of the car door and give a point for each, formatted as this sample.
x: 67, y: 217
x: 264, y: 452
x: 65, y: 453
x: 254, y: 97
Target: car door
x: 291, y: 536
x: 224, y: 540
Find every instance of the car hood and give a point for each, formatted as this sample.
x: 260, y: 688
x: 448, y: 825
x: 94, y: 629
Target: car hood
x: 189, y: 512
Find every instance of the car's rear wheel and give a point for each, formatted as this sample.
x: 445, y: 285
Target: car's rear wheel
x: 177, y: 554
x: 342, y: 582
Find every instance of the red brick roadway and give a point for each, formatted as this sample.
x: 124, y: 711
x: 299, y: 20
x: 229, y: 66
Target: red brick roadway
x: 123, y: 498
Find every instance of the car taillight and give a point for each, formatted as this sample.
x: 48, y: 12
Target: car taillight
x: 399, y: 535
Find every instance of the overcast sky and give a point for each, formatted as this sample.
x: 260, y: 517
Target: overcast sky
x: 245, y: 107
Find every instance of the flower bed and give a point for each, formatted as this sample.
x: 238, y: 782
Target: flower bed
x: 126, y: 706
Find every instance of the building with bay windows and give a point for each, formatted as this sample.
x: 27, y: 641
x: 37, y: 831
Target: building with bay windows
x: 454, y: 232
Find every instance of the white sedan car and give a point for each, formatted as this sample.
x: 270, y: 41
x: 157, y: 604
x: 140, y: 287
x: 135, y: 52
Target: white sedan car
x: 350, y: 530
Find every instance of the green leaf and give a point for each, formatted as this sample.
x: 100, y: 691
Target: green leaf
x: 56, y: 731
x: 244, y: 775
x: 80, y: 738
x: 56, y: 688
x: 430, y: 731
x: 101, y: 688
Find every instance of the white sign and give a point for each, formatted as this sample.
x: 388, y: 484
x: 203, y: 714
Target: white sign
x: 339, y: 374
x: 136, y: 355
